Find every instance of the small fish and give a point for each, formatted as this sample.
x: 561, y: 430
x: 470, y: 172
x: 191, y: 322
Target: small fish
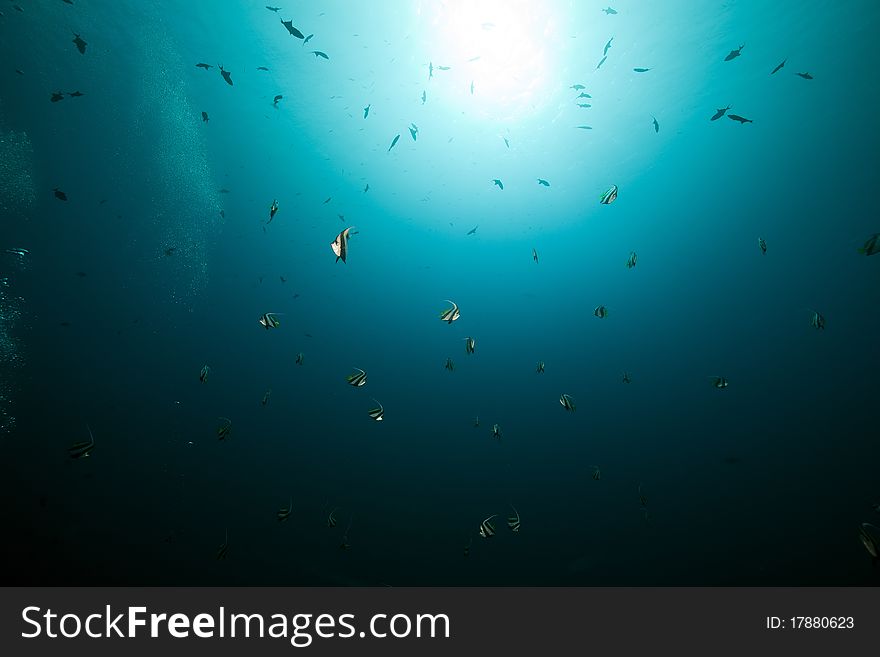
x: 393, y: 142
x: 273, y: 209
x: 341, y: 217
x: 340, y: 245
x: 817, y: 321
x: 205, y: 117
x: 607, y: 46
x: 284, y: 512
x: 597, y: 474
x: 203, y: 375
x: 778, y: 67
x: 366, y: 188
x: 506, y: 143
x: 477, y: 422
x: 290, y: 28
x: 601, y: 61
x: 534, y: 255
x: 224, y: 546
x: 473, y: 230
x: 367, y: 110
x: 357, y: 378
x: 413, y: 131
x: 601, y: 312
x: 430, y: 70
x: 276, y: 99
x: 262, y: 68
x: 719, y: 113
x: 641, y: 70
x: 424, y: 97
x: 762, y: 245
x: 318, y: 53
x: 584, y: 127
x: 56, y: 96
x: 577, y: 87
x: 61, y: 196
x: 204, y: 66
x: 496, y: 431
x: 276, y: 9
x: 719, y: 382
x: 869, y: 535
x: 567, y: 402
x: 80, y: 44
x: 467, y: 548
x: 226, y: 76
x: 331, y: 519
x: 76, y: 94
x: 22, y: 253
x: 326, y: 200
x: 270, y: 321
x: 656, y: 125
x: 583, y: 95
x: 610, y: 196
x: 871, y: 246
x: 540, y: 368
x: 584, y: 105
x: 224, y: 428
x: 737, y: 117
x: 541, y: 181
x: 82, y: 449
x: 300, y: 359
x: 223, y: 190
x: 378, y: 413
x: 449, y: 365
x: 307, y: 39
x: 513, y: 521
x: 486, y: 527
x: 805, y: 76
x: 469, y: 345
x: 733, y: 54
x: 265, y: 399
x: 626, y: 378
x: 472, y: 87
x: 443, y: 68
x: 498, y: 183
x: 450, y: 314
x: 631, y: 260
x: 609, y: 11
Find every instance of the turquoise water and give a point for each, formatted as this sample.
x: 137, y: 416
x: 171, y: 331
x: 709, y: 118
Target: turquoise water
x: 149, y: 271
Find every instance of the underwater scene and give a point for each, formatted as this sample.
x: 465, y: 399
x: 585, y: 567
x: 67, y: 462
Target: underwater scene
x: 439, y: 292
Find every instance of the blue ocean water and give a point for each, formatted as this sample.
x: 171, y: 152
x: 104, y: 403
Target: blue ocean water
x: 161, y: 260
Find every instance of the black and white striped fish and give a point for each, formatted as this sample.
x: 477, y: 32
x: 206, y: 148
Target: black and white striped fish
x: 540, y: 368
x: 486, y: 527
x: 377, y: 414
x: 449, y: 365
x: 221, y: 553
x: 340, y: 244
x: 719, y: 381
x: 610, y: 196
x: 224, y: 429
x: 265, y: 399
x: 817, y: 321
x: 601, y: 312
x: 631, y: 260
x: 469, y: 345
x: 450, y: 314
x: 496, y: 431
x: 270, y: 321
x: 203, y: 375
x: 567, y: 402
x: 358, y: 378
x: 597, y: 474
x: 331, y: 519
x: 300, y: 358
x: 513, y: 521
x: 82, y: 449
x: 284, y: 513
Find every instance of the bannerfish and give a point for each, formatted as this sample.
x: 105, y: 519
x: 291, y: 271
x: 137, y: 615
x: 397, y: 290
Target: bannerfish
x: 610, y: 196
x: 450, y: 314
x: 340, y: 245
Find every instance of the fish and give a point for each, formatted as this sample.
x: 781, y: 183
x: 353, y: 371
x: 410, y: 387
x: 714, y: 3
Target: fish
x: 486, y: 527
x: 340, y: 244
x: 61, y: 196
x: 626, y: 378
x: 276, y: 99
x: 610, y: 196
x: 541, y: 181
x: 506, y: 143
x: 357, y: 378
x: 498, y: 183
x: 467, y: 548
x: 204, y: 66
x: 477, y: 422
x: 601, y: 312
x: 449, y: 365
x: 473, y: 230
x: 290, y: 28
x: 269, y: 321
x: 366, y: 188
x: 496, y: 431
x: 871, y: 246
x: 56, y: 96
x: 719, y: 382
x: 641, y: 70
x: 567, y: 402
x: 265, y: 399
x: 331, y: 519
x: 262, y: 68
x: 224, y: 546
x: 597, y: 474
x: 318, y: 53
x: 631, y: 260
x: 584, y: 127
x: 284, y: 512
x: 300, y: 359
x: 584, y: 105
x: 583, y: 95
x: 719, y: 113
x: 326, y: 200
x: 430, y: 70
x: 762, y: 245
x: 805, y: 76
x: 84, y: 448
x: 609, y: 11
x: 450, y: 314
x: 413, y: 131
x: 203, y: 375
x: 276, y: 9
x: 424, y: 97
x: 205, y: 117
x: 869, y: 535
x: 513, y: 521
x: 607, y: 46
x: 469, y: 345
x: 367, y: 110
x: 817, y: 321
x: 601, y: 61
x: 223, y: 190
x: 577, y: 87
x: 540, y: 368
x: 226, y: 76
x: 656, y: 125
x: 443, y: 68
x: 224, y: 429
x: 472, y: 87
x: 80, y: 44
x: 76, y: 94
x: 779, y: 66
x: 378, y: 413
x: 22, y: 253
x: 733, y: 54
x: 534, y: 255
x: 341, y: 217
x: 737, y: 117
x: 393, y: 142
x: 272, y: 210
